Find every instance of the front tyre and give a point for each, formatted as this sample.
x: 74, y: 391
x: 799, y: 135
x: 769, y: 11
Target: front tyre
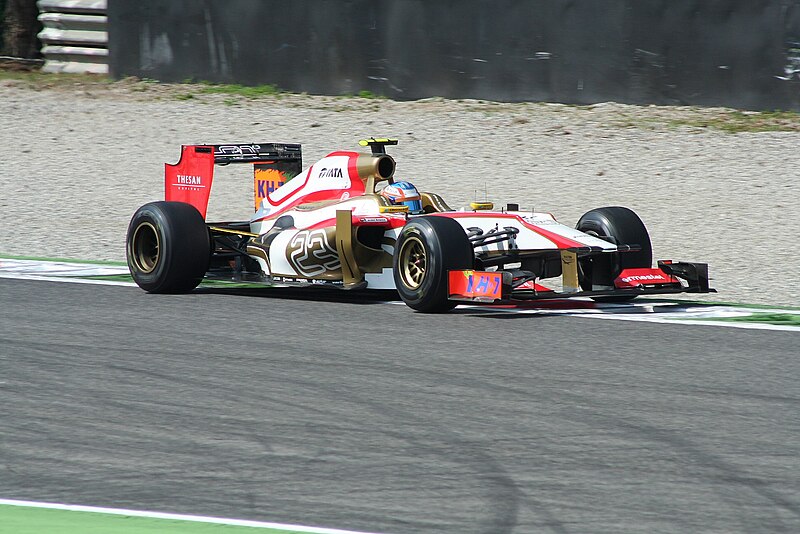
x: 620, y: 226
x: 168, y: 247
x: 427, y: 248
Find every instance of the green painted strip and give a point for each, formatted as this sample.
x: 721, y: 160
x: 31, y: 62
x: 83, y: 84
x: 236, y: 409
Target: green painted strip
x: 22, y: 520
x: 109, y: 277
x: 715, y: 303
x: 204, y: 284
x: 780, y: 319
x: 63, y: 260
x: 246, y: 285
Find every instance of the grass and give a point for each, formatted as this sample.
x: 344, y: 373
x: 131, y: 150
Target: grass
x: 44, y: 80
x: 370, y: 94
x: 246, y: 91
x: 189, y: 90
x: 695, y: 118
x: 61, y: 260
x: 743, y: 121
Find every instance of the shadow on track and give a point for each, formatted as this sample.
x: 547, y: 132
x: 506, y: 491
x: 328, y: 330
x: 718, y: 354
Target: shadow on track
x: 315, y: 294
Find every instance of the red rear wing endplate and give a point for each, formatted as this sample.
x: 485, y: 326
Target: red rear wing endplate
x: 190, y: 179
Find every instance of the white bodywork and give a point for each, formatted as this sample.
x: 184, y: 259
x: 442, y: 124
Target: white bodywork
x: 310, y: 202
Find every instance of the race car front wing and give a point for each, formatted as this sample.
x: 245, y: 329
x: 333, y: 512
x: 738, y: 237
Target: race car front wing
x: 502, y: 286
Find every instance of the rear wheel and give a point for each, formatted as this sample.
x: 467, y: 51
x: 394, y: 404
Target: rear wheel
x: 427, y: 248
x: 168, y: 247
x: 620, y: 226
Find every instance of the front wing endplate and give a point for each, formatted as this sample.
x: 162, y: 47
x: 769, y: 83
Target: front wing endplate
x: 478, y: 286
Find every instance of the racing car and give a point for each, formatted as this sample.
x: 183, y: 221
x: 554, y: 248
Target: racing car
x: 346, y: 222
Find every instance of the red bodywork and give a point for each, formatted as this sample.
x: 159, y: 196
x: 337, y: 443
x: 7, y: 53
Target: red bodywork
x: 190, y: 179
x: 644, y: 277
x: 480, y: 286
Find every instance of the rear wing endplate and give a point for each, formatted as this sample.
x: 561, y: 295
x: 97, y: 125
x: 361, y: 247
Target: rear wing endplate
x: 190, y: 179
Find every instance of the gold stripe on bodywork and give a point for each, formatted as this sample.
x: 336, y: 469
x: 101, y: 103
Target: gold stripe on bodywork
x: 351, y: 274
x: 229, y: 231
x: 569, y: 271
x: 431, y: 203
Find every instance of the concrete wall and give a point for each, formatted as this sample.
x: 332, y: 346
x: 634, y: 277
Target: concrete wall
x: 739, y: 53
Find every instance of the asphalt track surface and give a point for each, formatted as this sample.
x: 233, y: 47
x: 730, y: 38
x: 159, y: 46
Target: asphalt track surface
x: 364, y: 415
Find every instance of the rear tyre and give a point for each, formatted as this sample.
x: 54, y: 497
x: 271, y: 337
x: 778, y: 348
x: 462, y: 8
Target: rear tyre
x: 620, y: 226
x: 427, y: 248
x: 168, y: 247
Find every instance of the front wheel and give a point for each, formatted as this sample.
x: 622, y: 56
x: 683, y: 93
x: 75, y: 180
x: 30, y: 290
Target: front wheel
x: 620, y: 226
x: 427, y: 248
x: 168, y: 247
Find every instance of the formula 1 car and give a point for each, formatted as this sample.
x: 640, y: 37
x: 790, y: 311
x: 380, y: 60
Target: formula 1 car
x: 345, y: 222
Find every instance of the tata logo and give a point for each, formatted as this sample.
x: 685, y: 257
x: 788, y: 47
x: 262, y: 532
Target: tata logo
x: 331, y: 173
x: 267, y: 186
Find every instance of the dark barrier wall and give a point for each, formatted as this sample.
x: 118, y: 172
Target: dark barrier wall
x: 739, y: 53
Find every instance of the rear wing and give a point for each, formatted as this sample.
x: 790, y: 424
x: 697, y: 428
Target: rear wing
x: 190, y: 179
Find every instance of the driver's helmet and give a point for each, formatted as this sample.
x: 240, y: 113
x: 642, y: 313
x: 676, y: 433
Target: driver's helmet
x: 403, y: 193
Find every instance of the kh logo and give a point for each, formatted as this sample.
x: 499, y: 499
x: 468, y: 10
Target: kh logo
x: 266, y: 181
x: 267, y: 186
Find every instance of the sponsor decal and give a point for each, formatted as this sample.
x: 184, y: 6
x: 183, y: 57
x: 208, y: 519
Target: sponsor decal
x: 379, y: 220
x: 393, y: 209
x: 188, y: 179
x: 239, y: 150
x: 484, y: 283
x: 644, y: 277
x: 265, y: 181
x: 267, y: 186
x: 476, y: 285
x: 311, y: 254
x: 641, y: 277
x: 334, y: 172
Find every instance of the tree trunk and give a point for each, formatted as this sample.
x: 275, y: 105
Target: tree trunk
x: 20, y: 29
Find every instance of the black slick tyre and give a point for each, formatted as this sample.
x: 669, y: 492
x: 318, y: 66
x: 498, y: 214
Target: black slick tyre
x: 621, y: 226
x: 427, y: 248
x: 168, y: 247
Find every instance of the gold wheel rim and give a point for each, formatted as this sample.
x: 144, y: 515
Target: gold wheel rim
x: 146, y: 247
x: 413, y: 262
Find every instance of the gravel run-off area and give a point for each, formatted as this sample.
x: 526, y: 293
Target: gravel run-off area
x: 79, y: 159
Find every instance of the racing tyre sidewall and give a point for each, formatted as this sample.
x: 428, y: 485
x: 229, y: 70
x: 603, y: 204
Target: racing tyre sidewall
x: 626, y: 228
x: 445, y: 246
x: 168, y: 247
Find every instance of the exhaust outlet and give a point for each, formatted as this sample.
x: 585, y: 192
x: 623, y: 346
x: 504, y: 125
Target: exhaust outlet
x: 378, y: 167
